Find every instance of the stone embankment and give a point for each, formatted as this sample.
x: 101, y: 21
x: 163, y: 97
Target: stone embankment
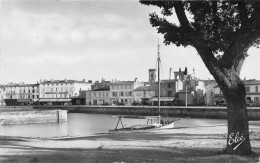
x: 18, y: 115
x: 190, y: 111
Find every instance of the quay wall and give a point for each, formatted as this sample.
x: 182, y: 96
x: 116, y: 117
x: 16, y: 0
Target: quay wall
x: 193, y: 112
x: 32, y: 116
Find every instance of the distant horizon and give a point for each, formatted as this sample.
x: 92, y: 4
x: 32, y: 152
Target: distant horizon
x: 90, y: 40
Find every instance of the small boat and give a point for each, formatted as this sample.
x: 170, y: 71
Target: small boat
x: 165, y: 125
x: 160, y: 124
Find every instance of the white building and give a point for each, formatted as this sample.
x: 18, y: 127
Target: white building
x: 61, y: 90
x: 20, y: 94
x: 2, y: 95
x: 122, y: 91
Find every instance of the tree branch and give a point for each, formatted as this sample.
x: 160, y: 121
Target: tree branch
x: 236, y: 53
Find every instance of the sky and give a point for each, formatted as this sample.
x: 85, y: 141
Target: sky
x: 91, y: 40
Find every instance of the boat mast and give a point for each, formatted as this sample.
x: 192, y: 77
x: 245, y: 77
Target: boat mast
x: 159, y: 60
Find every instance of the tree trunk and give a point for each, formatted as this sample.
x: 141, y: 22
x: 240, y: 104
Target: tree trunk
x: 234, y: 92
x: 238, y: 141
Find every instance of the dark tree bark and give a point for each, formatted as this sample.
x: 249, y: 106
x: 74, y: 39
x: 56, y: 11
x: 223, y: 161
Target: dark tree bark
x: 233, y: 89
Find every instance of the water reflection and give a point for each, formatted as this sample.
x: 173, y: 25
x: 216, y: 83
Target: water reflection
x: 80, y: 124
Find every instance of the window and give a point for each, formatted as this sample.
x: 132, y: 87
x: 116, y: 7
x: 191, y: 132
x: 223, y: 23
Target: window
x: 99, y: 94
x: 256, y: 88
x: 256, y: 100
x: 247, y: 89
x: 169, y: 93
x: 107, y: 94
x: 94, y: 94
x: 169, y: 85
x: 114, y: 94
x: 130, y: 93
x: 121, y: 93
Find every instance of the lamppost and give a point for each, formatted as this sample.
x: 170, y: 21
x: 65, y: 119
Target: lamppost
x: 185, y: 79
x: 186, y: 99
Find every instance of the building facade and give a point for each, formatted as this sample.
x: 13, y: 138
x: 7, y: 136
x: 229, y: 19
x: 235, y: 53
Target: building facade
x: 99, y: 96
x: 209, y: 93
x: 20, y: 94
x: 253, y: 92
x: 122, y: 91
x: 143, y: 93
x: 61, y: 91
x: 2, y: 95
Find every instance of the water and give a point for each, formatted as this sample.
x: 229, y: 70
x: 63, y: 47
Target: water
x: 80, y: 124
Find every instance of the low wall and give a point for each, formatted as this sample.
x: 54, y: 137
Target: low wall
x: 25, y: 117
x: 196, y: 112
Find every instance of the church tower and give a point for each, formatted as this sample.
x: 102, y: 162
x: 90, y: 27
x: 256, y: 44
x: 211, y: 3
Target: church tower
x: 152, y: 76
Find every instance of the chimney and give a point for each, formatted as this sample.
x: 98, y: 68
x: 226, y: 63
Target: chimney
x: 89, y: 81
x: 83, y: 80
x: 185, y: 71
x: 135, y: 79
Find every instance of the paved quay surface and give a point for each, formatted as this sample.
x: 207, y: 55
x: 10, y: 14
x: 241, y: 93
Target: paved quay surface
x: 197, y: 144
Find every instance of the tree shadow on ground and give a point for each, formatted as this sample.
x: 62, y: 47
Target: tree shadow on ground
x: 103, y: 154
x: 124, y: 153
x: 147, y: 136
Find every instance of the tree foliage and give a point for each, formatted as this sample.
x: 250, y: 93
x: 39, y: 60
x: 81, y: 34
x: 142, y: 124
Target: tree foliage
x: 216, y: 25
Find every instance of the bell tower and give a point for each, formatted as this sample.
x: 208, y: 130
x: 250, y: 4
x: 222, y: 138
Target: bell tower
x: 152, y: 76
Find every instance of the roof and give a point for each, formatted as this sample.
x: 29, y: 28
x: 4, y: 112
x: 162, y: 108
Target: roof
x: 207, y: 82
x: 102, y: 89
x: 122, y: 82
x: 62, y: 81
x: 144, y: 88
x: 252, y: 93
x: 167, y: 81
x: 21, y: 85
x: 252, y: 82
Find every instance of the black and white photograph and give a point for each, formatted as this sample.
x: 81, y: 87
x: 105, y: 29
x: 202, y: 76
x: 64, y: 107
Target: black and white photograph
x: 129, y: 81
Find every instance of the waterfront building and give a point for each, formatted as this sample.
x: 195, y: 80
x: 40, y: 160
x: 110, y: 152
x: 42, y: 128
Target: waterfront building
x: 122, y: 91
x: 61, y: 91
x: 2, y: 95
x: 209, y: 92
x: 20, y: 94
x: 102, y: 84
x: 214, y: 93
x: 252, y: 92
x: 180, y: 98
x: 100, y: 96
x: 200, y: 92
x: 143, y: 93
